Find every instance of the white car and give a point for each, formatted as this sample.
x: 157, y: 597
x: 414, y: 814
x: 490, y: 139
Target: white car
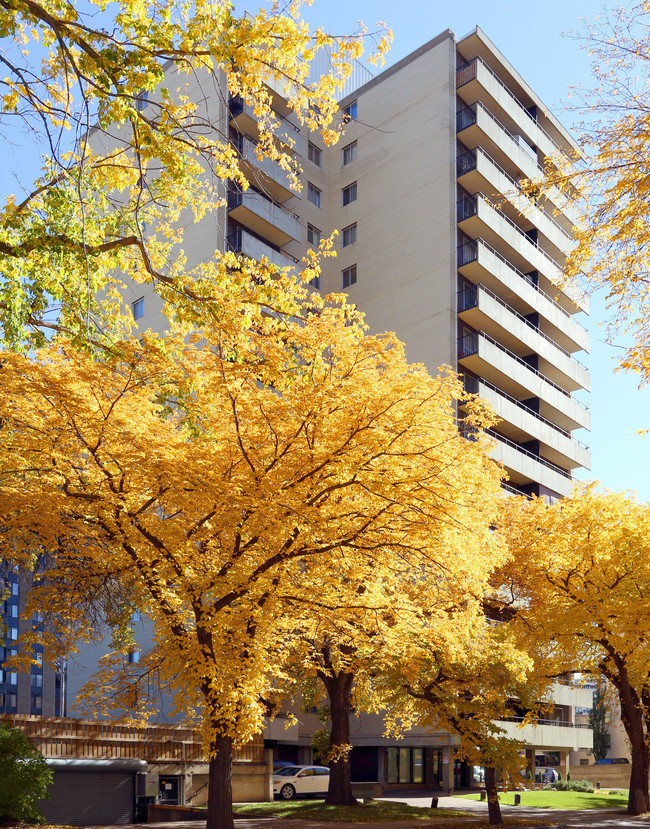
x: 302, y: 780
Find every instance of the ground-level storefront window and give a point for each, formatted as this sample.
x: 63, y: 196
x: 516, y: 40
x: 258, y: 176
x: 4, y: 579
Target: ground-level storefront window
x: 405, y: 765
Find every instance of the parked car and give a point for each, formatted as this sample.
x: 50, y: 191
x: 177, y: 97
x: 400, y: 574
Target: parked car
x: 300, y: 780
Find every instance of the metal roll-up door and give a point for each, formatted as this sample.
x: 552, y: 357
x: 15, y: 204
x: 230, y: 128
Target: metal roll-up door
x: 90, y: 796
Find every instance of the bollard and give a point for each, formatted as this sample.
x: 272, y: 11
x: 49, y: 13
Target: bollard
x: 483, y: 794
x: 598, y: 784
x: 517, y: 800
x: 434, y: 802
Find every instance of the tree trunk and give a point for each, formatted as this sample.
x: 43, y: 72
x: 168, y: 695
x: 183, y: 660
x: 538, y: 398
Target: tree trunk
x: 632, y: 717
x: 339, y: 687
x: 494, y: 808
x: 638, y: 800
x: 219, y: 815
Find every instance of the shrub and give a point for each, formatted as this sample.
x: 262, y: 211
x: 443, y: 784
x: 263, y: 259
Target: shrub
x: 24, y: 777
x: 574, y: 786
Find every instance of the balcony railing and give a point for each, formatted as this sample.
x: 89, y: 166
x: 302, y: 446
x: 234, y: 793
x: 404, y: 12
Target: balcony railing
x: 468, y: 298
x: 529, y: 454
x: 97, y: 739
x: 468, y: 345
x: 468, y: 207
x: 468, y: 72
x: 468, y: 252
x: 561, y: 723
x: 467, y: 161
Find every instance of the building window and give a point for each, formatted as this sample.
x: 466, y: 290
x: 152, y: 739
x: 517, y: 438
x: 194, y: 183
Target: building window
x: 137, y: 308
x: 142, y: 100
x: 405, y: 765
x: 12, y: 633
x: 315, y: 282
x: 37, y: 703
x: 349, y: 235
x: 349, y: 193
x: 313, y: 236
x: 313, y: 194
x: 14, y: 588
x: 133, y: 656
x: 314, y: 154
x: 349, y: 276
x: 349, y: 153
x: 36, y: 680
x: 350, y: 112
x: 12, y: 678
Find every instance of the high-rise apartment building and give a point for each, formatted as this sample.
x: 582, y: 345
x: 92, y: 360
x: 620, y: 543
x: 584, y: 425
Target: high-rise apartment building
x: 437, y: 242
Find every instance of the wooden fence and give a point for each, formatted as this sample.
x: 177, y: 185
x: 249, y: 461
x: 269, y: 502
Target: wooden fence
x: 99, y: 739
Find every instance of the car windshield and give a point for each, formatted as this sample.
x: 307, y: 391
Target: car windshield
x: 288, y: 771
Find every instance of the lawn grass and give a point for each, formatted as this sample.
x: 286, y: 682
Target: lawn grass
x: 548, y: 799
x: 364, y: 813
x: 374, y: 812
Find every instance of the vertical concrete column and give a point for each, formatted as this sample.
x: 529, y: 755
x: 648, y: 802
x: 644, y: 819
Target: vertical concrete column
x: 268, y: 786
x: 564, y: 762
x: 448, y: 768
x: 530, y: 765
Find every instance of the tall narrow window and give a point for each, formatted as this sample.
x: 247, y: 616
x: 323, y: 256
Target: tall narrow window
x: 137, y: 308
x: 350, y: 112
x: 349, y: 235
x: 349, y: 153
x: 349, y: 276
x: 349, y: 193
x: 314, y: 154
x: 313, y: 194
x: 313, y: 236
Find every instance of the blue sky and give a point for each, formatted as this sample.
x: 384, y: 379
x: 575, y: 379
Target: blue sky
x: 534, y: 37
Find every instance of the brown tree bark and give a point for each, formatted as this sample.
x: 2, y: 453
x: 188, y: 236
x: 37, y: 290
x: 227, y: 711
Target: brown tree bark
x: 633, y: 717
x: 339, y: 688
x: 494, y: 807
x: 219, y: 815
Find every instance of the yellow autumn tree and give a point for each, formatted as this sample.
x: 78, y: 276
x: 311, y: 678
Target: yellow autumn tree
x: 613, y: 229
x: 459, y: 671
x: 129, y: 103
x: 241, y: 486
x: 579, y: 586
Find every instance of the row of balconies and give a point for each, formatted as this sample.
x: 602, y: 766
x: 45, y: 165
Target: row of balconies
x: 477, y: 81
x: 483, y: 310
x: 479, y: 218
x: 477, y: 126
x: 486, y: 357
x: 480, y: 262
x: 478, y: 172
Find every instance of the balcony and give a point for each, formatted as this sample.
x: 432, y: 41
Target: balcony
x: 97, y: 739
x: 264, y: 173
x: 477, y: 127
x: 478, y: 218
x: 553, y: 734
x: 241, y: 241
x: 520, y: 423
x: 243, y: 118
x: 480, y: 262
x: 524, y: 467
x: 483, y: 310
x: 477, y: 172
x: 490, y: 360
x: 264, y: 217
x: 475, y: 81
